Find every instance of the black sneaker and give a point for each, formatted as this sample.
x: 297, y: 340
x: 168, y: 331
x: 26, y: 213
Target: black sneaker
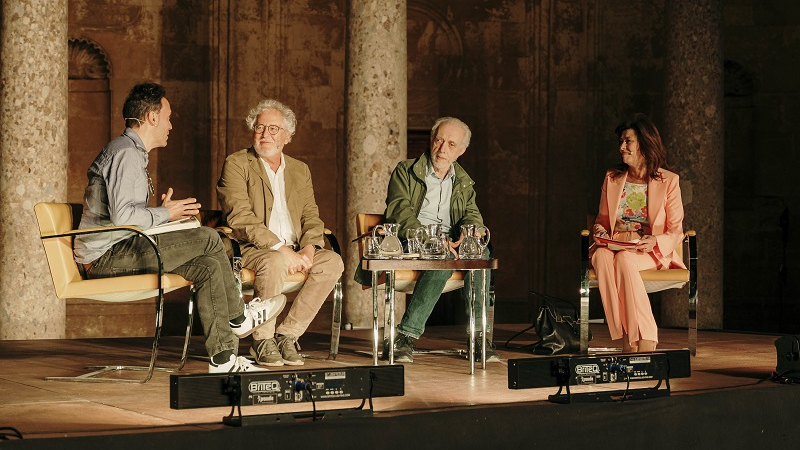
x: 491, y: 355
x: 403, y: 348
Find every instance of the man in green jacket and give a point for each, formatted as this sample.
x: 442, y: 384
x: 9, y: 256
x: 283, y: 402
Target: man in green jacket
x: 433, y: 189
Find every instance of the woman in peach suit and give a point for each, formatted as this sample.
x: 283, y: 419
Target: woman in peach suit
x: 640, y: 201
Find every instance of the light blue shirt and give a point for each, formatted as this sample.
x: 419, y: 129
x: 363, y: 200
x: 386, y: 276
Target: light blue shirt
x: 117, y: 194
x: 436, y: 205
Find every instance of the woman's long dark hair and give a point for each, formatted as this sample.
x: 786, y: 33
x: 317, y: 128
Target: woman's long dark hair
x: 653, y: 151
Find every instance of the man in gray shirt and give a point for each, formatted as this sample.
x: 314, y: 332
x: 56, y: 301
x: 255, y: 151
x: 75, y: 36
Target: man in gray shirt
x: 118, y: 191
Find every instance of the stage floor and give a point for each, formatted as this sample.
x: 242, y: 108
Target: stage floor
x: 47, y: 409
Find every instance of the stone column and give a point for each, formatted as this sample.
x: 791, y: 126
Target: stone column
x: 33, y: 160
x: 375, y: 123
x: 693, y: 135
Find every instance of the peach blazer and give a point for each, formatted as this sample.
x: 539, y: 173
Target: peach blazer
x: 664, y: 210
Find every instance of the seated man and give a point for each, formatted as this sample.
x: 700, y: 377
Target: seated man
x: 268, y: 200
x: 118, y: 191
x: 434, y: 189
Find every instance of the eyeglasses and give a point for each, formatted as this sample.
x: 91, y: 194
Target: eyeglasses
x: 273, y: 129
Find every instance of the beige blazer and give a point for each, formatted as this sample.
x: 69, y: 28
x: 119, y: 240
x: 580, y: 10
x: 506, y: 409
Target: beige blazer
x: 245, y: 196
x: 664, y: 210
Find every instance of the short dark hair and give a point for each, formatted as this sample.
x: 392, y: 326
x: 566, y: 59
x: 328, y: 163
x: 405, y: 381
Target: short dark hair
x: 141, y: 100
x: 653, y: 151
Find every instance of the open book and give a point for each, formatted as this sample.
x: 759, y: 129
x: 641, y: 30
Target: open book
x: 175, y: 225
x: 617, y: 245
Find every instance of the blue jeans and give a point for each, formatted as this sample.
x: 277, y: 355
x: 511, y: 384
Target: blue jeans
x: 427, y: 292
x: 198, y: 256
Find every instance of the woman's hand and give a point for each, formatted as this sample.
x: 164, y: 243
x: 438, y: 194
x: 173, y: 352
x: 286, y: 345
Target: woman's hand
x: 599, y: 231
x: 646, y: 244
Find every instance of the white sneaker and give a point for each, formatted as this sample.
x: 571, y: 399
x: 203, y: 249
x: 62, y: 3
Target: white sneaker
x: 235, y: 364
x: 257, y: 313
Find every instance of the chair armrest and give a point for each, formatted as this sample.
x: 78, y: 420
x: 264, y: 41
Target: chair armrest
x: 585, y: 245
x: 333, y: 241
x: 227, y: 232
x: 99, y: 230
x: 691, y: 237
x: 96, y: 230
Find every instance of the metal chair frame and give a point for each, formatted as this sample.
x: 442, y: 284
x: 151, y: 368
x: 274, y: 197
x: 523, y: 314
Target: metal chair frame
x: 43, y: 210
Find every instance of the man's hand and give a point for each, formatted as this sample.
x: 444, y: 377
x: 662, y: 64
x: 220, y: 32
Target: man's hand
x: 307, y: 253
x: 295, y: 261
x: 458, y: 242
x: 179, y: 209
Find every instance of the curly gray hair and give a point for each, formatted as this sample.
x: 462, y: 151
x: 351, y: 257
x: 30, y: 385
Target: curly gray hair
x: 289, y: 119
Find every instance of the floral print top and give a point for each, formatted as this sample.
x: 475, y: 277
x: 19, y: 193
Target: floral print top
x: 632, y: 212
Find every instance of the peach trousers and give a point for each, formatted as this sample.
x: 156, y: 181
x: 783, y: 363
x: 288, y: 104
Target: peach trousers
x: 625, y: 299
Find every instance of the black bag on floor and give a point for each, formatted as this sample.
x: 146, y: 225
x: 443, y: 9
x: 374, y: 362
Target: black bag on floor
x: 788, y: 368
x: 558, y: 327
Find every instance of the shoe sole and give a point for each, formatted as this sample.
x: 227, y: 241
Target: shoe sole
x: 489, y: 360
x: 272, y: 364
x: 268, y: 319
x: 494, y: 358
x: 293, y: 363
x: 217, y: 369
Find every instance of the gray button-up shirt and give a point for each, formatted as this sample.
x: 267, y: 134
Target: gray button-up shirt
x: 117, y: 194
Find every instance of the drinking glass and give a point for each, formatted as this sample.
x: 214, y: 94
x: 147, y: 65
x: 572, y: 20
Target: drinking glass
x: 372, y: 247
x: 414, y: 239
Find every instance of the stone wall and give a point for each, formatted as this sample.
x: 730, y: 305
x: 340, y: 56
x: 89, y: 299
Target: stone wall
x: 542, y: 83
x: 762, y: 94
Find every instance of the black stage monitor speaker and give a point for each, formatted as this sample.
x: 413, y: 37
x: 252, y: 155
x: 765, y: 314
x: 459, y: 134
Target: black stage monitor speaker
x: 563, y: 370
x: 285, y: 386
x: 571, y: 370
x: 788, y: 367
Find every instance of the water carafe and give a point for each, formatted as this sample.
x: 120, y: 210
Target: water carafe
x: 390, y: 245
x: 434, y: 244
x: 473, y: 245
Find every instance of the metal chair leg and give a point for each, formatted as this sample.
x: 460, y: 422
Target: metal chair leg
x: 391, y: 321
x: 375, y: 335
x: 336, y: 320
x: 584, y: 291
x: 189, y: 324
x: 471, y: 347
x: 692, y: 325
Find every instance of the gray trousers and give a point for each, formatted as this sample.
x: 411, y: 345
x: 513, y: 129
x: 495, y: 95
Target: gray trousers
x: 198, y: 256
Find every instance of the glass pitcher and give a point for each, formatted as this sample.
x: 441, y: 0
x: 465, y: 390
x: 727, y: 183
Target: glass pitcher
x: 434, y: 244
x: 473, y: 245
x: 390, y: 245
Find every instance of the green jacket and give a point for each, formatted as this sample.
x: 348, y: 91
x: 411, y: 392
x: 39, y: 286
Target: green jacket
x: 406, y: 193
